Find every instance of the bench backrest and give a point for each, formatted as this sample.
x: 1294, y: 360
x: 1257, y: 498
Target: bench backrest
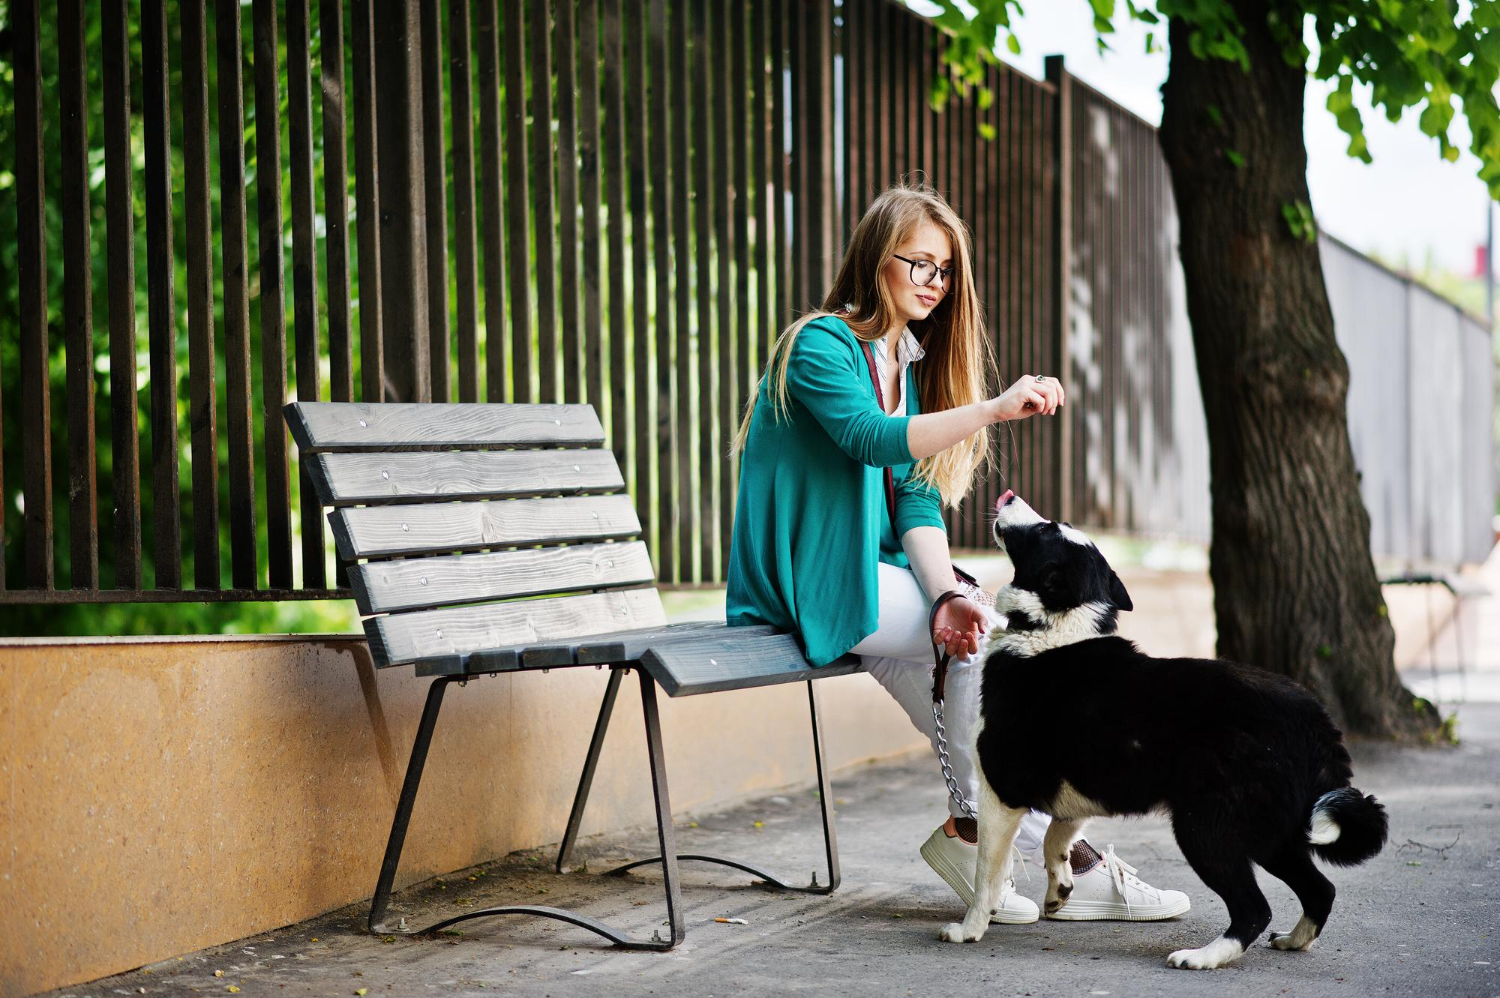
x: 472, y: 526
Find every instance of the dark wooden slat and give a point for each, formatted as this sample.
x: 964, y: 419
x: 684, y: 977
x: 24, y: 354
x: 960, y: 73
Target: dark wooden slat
x: 614, y: 184
x: 243, y: 569
x: 272, y: 294
x: 367, y: 205
x: 465, y: 237
x: 419, y: 583
x: 797, y: 172
x: 588, y: 170
x: 202, y: 394
x: 544, y: 253
x: 487, y: 30
x: 411, y: 637
x: 761, y: 132
x: 329, y: 426
x: 31, y: 277
x: 166, y: 519
x: 344, y: 479
x: 567, y: 208
x: 304, y: 262
x: 336, y: 198
x: 78, y: 309
x: 654, y: 446
x: 516, y: 185
x: 736, y: 389
x: 717, y: 662
x: 403, y: 204
x: 125, y: 486
x: 434, y: 174
x: 394, y: 531
x: 705, y: 197
x: 782, y: 313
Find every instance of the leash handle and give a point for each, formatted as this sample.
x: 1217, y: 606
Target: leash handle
x: 940, y: 656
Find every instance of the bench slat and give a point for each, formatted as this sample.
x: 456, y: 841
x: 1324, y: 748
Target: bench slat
x: 390, y: 531
x: 625, y: 646
x: 348, y: 479
x: 445, y: 636
x: 419, y: 583
x: 728, y: 660
x: 392, y: 426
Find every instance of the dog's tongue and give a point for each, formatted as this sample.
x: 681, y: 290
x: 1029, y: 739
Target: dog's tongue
x: 1005, y: 497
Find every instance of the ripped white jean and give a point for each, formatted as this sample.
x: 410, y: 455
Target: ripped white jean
x: 899, y: 656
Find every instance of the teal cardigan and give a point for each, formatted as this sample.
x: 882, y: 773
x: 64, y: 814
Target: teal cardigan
x: 810, y: 513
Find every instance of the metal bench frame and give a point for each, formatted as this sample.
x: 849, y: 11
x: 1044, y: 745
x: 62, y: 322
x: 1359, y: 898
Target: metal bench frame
x: 649, y: 651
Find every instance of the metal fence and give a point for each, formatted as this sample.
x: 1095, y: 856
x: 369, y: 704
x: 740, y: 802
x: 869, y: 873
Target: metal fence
x: 619, y: 203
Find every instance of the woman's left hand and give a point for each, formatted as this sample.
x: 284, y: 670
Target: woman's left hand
x: 958, y: 626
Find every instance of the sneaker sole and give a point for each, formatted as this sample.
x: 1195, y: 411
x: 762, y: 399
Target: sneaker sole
x: 1101, y: 911
x: 956, y: 880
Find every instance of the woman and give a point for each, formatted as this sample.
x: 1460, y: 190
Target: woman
x: 815, y: 549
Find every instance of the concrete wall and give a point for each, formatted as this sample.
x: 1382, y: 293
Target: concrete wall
x: 162, y: 795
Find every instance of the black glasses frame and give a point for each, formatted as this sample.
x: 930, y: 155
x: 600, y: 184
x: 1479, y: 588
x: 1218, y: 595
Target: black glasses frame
x: 941, y: 273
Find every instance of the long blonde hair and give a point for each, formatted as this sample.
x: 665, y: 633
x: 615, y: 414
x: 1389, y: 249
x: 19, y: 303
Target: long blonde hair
x: 959, y: 363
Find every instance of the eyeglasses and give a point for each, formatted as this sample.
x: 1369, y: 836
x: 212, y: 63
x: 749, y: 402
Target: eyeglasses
x: 923, y: 271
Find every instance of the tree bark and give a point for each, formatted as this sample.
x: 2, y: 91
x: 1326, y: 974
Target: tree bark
x: 1295, y: 589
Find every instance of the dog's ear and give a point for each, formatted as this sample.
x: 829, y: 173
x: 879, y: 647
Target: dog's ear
x: 1117, y: 593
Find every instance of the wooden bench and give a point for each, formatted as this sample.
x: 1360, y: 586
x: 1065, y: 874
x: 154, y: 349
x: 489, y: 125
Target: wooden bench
x: 489, y: 538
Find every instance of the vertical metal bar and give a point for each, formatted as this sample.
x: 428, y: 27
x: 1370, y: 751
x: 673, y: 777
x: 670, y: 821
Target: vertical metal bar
x: 567, y: 209
x: 780, y: 181
x: 734, y: 386
x: 797, y: 226
x: 669, y: 338
x: 304, y: 269
x: 272, y: 293
x: 235, y: 271
x: 409, y: 785
x: 666, y: 832
x: 31, y: 276
x: 674, y: 421
x: 545, y: 210
x: 403, y: 204
x: 765, y: 315
x: 716, y: 534
x: 646, y: 487
x: 336, y: 198
x: 78, y: 286
x: 703, y: 205
x: 614, y: 186
x: 465, y: 235
x: 125, y: 486
x: 367, y: 206
x: 167, y: 522
x: 434, y: 173
x: 590, y: 764
x: 202, y: 400
x: 487, y: 67
x: 516, y: 186
x: 588, y: 168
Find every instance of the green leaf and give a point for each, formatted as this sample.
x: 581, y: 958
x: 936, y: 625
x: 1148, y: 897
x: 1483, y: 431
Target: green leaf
x: 1235, y: 158
x: 1013, y: 43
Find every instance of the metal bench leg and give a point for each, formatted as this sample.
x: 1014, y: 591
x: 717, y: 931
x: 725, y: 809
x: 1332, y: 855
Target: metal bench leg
x: 413, y: 778
x: 404, y: 804
x: 825, y: 795
x: 590, y: 763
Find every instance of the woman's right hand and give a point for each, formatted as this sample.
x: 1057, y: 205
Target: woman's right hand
x: 1028, y: 396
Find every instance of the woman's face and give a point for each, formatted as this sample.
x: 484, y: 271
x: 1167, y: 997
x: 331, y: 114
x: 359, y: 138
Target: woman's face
x: 927, y: 243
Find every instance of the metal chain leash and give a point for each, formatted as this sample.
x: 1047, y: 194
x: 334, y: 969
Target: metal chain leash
x: 942, y: 754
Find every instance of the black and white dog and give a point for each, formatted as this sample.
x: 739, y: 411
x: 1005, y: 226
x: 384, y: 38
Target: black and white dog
x: 1248, y: 764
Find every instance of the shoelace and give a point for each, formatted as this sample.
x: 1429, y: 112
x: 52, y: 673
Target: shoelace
x: 1122, y: 874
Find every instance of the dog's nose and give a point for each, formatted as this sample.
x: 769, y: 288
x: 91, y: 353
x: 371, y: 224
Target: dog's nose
x: 1005, y: 497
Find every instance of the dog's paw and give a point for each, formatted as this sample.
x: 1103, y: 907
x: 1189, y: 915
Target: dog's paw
x: 1215, y: 954
x: 954, y: 932
x: 1057, y: 895
x: 1301, y: 938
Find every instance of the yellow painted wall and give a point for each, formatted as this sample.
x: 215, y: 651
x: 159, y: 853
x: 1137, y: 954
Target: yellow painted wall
x: 162, y: 795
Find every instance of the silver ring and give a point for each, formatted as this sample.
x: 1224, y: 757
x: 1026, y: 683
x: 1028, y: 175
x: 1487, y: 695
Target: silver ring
x: 1038, y: 378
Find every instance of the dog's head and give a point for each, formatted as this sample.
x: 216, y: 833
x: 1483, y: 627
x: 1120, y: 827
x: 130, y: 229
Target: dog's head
x: 1063, y: 591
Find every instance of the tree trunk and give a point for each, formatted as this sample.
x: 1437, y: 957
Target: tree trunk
x: 1295, y: 590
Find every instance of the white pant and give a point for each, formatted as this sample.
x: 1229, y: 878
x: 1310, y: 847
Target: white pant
x: 899, y: 656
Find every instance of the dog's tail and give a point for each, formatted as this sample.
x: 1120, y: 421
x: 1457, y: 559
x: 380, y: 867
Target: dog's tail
x: 1346, y: 827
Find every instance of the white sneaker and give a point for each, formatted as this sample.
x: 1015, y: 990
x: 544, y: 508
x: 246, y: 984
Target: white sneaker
x: 953, y: 859
x: 1112, y: 891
